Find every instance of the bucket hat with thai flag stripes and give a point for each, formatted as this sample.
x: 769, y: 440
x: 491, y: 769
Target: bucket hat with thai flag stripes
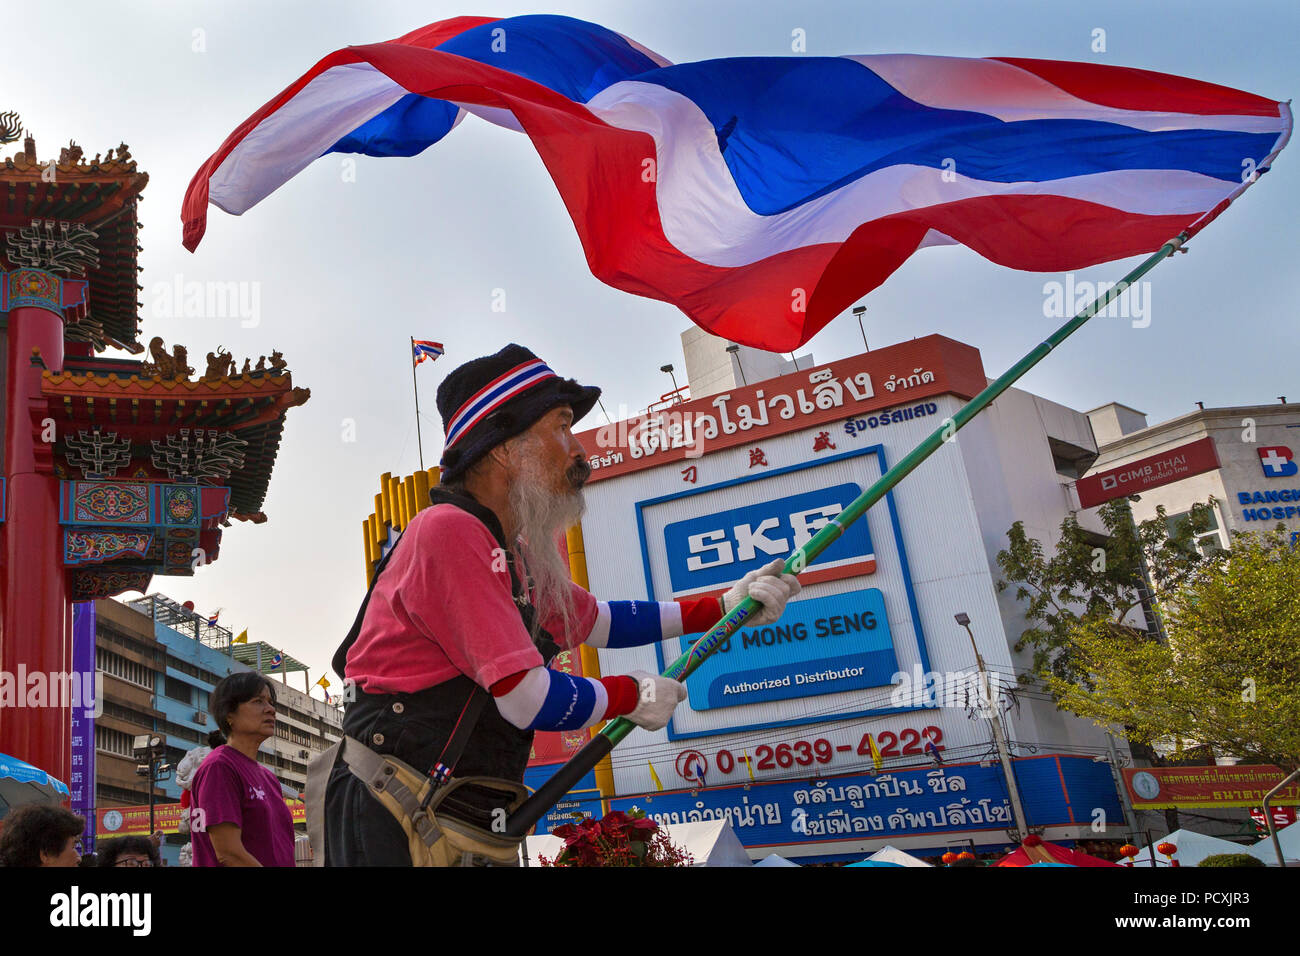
x: 496, y: 397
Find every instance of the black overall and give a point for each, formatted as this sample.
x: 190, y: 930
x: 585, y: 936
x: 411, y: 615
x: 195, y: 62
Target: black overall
x: 415, y: 727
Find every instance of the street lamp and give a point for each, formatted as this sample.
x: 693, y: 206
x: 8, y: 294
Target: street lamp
x: 669, y: 369
x: 152, y: 749
x: 995, y: 726
x: 859, y: 311
x: 734, y: 349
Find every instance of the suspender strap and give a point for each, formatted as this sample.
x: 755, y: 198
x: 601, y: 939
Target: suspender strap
x: 460, y: 734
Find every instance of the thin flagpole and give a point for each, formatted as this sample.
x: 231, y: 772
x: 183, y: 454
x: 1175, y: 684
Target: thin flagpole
x: 546, y: 796
x: 416, y: 383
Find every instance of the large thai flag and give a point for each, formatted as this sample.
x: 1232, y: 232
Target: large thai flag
x: 764, y: 195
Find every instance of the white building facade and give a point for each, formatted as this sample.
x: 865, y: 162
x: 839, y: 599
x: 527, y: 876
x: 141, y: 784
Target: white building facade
x: 855, y: 720
x: 1255, y: 483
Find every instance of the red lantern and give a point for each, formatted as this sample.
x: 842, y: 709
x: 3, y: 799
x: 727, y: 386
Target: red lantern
x: 949, y: 858
x: 1033, y: 840
x: 965, y: 855
x: 1168, y: 849
x: 1129, y: 851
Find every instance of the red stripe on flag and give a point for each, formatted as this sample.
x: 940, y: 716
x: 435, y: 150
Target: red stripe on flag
x: 1127, y: 88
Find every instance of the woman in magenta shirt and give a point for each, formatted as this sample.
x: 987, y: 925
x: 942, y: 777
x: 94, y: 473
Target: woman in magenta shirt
x: 239, y: 817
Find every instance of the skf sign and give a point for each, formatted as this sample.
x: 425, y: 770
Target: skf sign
x: 710, y: 553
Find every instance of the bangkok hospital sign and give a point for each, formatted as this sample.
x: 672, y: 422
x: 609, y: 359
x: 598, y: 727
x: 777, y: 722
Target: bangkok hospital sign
x: 896, y: 375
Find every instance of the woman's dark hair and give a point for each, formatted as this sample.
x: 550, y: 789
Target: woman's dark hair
x: 217, y: 738
x: 110, y: 850
x: 233, y: 690
x: 37, y: 827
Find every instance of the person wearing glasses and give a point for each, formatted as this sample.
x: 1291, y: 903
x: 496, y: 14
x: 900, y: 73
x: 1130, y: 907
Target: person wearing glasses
x: 128, y: 851
x: 239, y: 817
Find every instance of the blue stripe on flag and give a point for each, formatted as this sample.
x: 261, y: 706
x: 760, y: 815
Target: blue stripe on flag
x: 572, y: 57
x: 795, y: 129
x: 408, y: 127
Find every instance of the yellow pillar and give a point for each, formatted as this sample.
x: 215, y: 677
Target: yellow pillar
x: 590, y: 662
x: 368, y: 548
x: 421, y: 490
x: 395, y: 504
x: 385, y: 512
x: 412, y: 506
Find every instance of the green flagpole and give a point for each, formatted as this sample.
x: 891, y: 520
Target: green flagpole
x: 584, y: 760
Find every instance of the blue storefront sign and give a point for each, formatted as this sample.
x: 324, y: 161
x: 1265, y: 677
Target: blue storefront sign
x: 1055, y: 790
x: 820, y: 646
x: 583, y: 799
x: 714, y: 550
x: 706, y: 554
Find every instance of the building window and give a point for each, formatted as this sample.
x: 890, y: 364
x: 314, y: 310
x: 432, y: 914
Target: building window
x: 114, y: 742
x: 127, y: 670
x: 177, y: 689
x: 106, y: 792
x: 1208, y: 541
x: 1070, y: 460
x: 114, y: 709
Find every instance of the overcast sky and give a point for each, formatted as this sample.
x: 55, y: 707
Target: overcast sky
x: 346, y: 271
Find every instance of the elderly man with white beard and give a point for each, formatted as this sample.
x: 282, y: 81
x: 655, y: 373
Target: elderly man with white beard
x: 447, y: 662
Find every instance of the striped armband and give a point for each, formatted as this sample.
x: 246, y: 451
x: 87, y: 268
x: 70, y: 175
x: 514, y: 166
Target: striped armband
x: 637, y: 623
x: 543, y: 699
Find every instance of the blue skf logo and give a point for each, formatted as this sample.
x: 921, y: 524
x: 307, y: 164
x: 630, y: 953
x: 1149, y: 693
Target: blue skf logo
x: 711, y: 552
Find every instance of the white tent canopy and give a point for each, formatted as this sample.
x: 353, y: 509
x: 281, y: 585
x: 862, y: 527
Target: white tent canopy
x: 1192, y: 849
x: 709, y: 842
x: 1289, y: 837
x: 889, y: 854
x: 775, y: 859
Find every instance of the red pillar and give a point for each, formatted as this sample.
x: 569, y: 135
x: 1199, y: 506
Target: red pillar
x: 35, y: 635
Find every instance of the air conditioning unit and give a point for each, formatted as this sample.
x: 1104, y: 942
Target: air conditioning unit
x: 200, y: 717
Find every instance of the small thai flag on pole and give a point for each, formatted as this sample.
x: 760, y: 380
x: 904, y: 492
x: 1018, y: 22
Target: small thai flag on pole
x: 933, y: 751
x: 277, y: 660
x: 421, y: 349
x: 212, y: 621
x: 425, y: 349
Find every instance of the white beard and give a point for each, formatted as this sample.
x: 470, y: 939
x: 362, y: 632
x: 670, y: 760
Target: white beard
x: 542, y: 514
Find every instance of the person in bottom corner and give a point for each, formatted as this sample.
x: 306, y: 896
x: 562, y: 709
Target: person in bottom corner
x: 129, y: 851
x: 40, y: 835
x: 476, y: 595
x: 239, y: 817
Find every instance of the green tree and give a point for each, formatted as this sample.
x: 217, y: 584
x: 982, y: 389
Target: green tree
x: 1229, y: 676
x: 1092, y: 578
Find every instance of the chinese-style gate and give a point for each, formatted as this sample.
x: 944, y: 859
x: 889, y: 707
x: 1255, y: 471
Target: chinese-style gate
x: 114, y: 469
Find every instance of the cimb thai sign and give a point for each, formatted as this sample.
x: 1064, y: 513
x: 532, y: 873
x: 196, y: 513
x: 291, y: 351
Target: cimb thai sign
x: 1150, y: 472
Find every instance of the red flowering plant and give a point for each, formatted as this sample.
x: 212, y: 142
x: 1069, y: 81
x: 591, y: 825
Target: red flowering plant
x: 617, y: 839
